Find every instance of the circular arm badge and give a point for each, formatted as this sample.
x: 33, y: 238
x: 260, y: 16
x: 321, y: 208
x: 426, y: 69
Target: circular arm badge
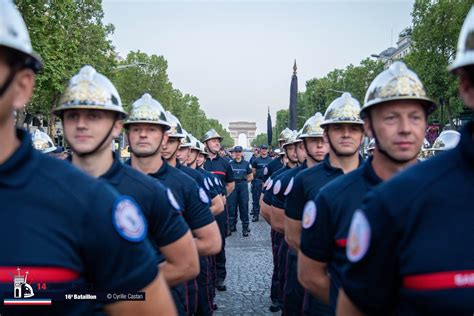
x: 172, y: 200
x: 128, y: 219
x: 203, y: 196
x: 277, y: 187
x: 289, y: 187
x: 358, y: 239
x: 309, y: 214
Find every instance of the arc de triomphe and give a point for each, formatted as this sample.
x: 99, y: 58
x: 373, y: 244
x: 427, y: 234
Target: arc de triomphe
x: 249, y: 129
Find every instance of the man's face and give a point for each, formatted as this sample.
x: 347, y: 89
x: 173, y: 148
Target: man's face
x: 255, y: 152
x: 18, y: 93
x: 169, y: 148
x: 345, y: 138
x: 264, y: 152
x: 466, y: 88
x: 183, y: 154
x: 214, y: 145
x: 300, y: 152
x: 399, y: 127
x: 145, y: 139
x: 200, y: 160
x: 317, y: 147
x: 238, y: 155
x: 192, y: 156
x: 291, y: 153
x: 86, y: 129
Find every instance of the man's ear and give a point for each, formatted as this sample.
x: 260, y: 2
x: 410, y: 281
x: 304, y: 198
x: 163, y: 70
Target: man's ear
x: 117, y: 128
x: 23, y: 85
x: 368, y: 127
x: 165, y: 139
x: 466, y: 91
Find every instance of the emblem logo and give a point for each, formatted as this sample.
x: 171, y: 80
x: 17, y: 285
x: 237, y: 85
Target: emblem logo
x: 172, y: 200
x: 269, y: 184
x: 203, y: 196
x: 309, y: 214
x: 128, y: 220
x: 289, y: 187
x: 23, y: 292
x: 359, y: 237
x: 277, y: 187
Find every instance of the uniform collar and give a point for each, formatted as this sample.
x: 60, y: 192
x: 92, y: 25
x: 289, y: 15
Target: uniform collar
x: 165, y: 167
x: 114, y: 174
x: 328, y: 167
x: 466, y: 144
x: 369, y: 172
x: 18, y: 169
x: 216, y: 158
x: 331, y: 170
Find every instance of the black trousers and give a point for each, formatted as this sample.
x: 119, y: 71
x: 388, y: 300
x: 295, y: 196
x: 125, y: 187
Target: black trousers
x: 222, y: 221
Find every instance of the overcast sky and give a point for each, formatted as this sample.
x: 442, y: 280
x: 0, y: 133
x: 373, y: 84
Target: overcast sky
x: 237, y: 56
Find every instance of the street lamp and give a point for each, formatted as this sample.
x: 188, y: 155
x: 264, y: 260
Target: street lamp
x: 137, y: 64
x: 338, y: 91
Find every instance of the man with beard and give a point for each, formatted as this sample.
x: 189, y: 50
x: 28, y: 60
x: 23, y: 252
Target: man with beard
x: 148, y: 142
x: 343, y: 130
x: 409, y: 244
x: 221, y: 168
x: 397, y: 122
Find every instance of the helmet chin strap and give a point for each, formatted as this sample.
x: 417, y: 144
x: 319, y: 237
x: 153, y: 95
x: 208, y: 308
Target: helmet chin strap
x: 308, y: 153
x: 192, y: 162
x: 96, y: 148
x: 288, y: 156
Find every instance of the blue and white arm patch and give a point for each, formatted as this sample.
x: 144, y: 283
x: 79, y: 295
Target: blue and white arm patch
x: 128, y: 219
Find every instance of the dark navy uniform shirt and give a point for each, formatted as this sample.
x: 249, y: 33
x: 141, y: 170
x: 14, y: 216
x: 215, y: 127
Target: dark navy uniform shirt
x: 241, y: 170
x: 272, y: 167
x: 221, y: 168
x: 199, y: 178
x: 67, y: 230
x: 165, y: 223
x: 410, y: 245
x: 324, y: 237
x: 209, y: 182
x: 283, y: 185
x: 189, y: 196
x: 307, y: 184
x: 268, y: 185
x: 260, y: 164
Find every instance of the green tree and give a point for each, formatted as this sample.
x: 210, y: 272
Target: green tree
x: 320, y: 92
x: 436, y: 27
x: 141, y: 73
x: 261, y: 139
x: 67, y: 34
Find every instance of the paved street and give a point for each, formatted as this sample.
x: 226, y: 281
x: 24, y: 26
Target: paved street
x: 249, y: 270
